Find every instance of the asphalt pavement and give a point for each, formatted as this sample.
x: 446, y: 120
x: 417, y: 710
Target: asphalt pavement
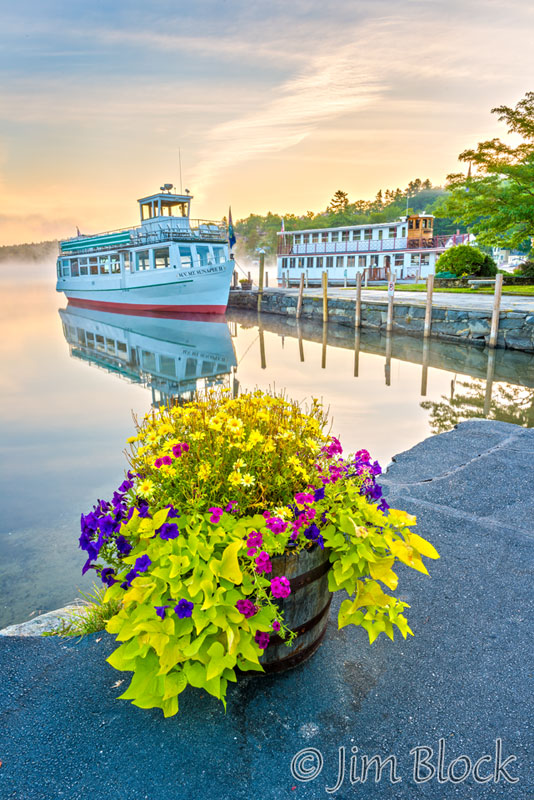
x: 461, y: 687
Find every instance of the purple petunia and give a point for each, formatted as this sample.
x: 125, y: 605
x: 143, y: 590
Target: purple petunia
x: 276, y: 626
x: 160, y: 611
x: 276, y: 525
x: 319, y: 493
x: 184, y: 608
x: 125, y: 486
x: 123, y: 545
x: 107, y: 576
x: 254, y: 542
x: 169, y: 530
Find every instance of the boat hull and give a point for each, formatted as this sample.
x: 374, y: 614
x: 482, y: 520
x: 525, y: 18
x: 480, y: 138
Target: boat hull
x: 197, y: 291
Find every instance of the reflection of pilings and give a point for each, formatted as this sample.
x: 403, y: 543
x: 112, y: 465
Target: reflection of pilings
x: 325, y: 337
x: 489, y: 380
x: 235, y: 384
x: 356, y: 352
x: 262, y: 347
x: 301, y: 343
x: 424, y: 373
x: 387, y: 368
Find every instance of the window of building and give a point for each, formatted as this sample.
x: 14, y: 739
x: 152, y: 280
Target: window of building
x: 203, y: 256
x: 399, y: 260
x: 122, y: 349
x: 340, y: 261
x: 65, y: 269
x: 319, y: 262
x: 292, y: 262
x: 310, y: 263
x: 368, y: 233
x: 417, y: 223
x: 335, y: 236
x: 110, y: 346
x: 344, y: 236
x: 185, y: 257
x: 324, y: 237
x: 161, y: 258
x: 351, y: 261
x: 305, y: 238
x: 392, y: 232
x: 374, y: 261
x: 315, y: 237
x: 410, y: 224
x: 403, y: 232
x: 425, y: 259
x: 115, y: 264
x: 415, y: 259
x: 284, y: 263
x: 329, y: 262
x: 362, y: 261
x: 142, y: 260
x: 81, y: 335
x: 104, y: 265
x: 301, y: 263
x: 380, y: 233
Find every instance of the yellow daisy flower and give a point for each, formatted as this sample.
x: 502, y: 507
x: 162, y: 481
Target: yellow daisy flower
x: 248, y: 480
x: 146, y: 488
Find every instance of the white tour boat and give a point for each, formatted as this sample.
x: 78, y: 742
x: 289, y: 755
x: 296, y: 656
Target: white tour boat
x: 168, y: 264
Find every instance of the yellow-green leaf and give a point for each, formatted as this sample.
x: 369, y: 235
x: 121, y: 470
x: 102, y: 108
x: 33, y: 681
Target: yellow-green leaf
x: 229, y: 568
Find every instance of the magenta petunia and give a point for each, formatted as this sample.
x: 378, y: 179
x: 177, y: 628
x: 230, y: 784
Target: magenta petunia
x: 167, y: 460
x: 216, y: 514
x: 280, y: 587
x: 263, y: 562
x: 158, y: 462
x: 261, y: 639
x: 302, y: 498
x: 246, y: 607
x: 277, y: 525
x: 276, y: 626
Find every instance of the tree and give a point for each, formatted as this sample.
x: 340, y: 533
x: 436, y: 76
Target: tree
x: 466, y: 260
x: 497, y: 202
x: 339, y: 202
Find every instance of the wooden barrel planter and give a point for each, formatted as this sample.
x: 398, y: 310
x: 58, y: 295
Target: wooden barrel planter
x: 305, y: 610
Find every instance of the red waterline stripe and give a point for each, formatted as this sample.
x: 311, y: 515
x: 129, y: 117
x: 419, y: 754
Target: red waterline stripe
x: 210, y: 313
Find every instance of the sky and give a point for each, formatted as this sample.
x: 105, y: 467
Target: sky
x: 270, y: 106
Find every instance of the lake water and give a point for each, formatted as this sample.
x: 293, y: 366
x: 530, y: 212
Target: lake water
x: 71, y: 380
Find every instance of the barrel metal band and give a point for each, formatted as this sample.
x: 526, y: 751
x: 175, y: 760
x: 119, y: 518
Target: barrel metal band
x: 308, y: 577
x: 296, y: 659
x: 304, y: 628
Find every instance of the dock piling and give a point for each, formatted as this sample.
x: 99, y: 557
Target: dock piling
x: 325, y: 296
x: 358, y: 313
x: 391, y: 296
x: 496, y: 311
x: 260, y: 284
x: 428, y: 310
x: 301, y: 292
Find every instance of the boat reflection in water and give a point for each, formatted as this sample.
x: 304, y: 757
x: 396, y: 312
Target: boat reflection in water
x: 173, y: 357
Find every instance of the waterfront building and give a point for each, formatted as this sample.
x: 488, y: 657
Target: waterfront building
x: 407, y: 248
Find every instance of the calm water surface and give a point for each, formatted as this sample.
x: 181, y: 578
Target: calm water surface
x: 71, y: 380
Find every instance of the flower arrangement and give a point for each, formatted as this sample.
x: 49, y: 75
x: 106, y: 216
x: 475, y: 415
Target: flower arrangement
x: 217, y: 488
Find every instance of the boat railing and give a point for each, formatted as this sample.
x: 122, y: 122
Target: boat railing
x: 198, y: 230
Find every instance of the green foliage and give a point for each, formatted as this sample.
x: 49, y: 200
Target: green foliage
x: 526, y: 270
x: 465, y: 260
x: 90, y: 616
x: 497, y: 203
x: 195, y: 597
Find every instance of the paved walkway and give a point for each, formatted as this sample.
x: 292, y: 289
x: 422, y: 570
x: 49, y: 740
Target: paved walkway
x: 473, y: 301
x: 465, y: 678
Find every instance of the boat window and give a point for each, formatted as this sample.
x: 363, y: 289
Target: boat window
x: 161, y: 258
x: 315, y: 237
x: 415, y: 259
x: 104, y: 265
x: 185, y: 257
x: 90, y: 338
x: 203, y: 253
x: 425, y: 259
x: 351, y: 261
x: 58, y: 268
x: 141, y: 260
x: 167, y: 366
x: 84, y: 269
x: 146, y: 211
x: 380, y: 233
x: 122, y: 349
x: 284, y: 263
x: 319, y: 264
x: 93, y: 265
x: 190, y: 367
x: 362, y: 261
x: 374, y: 261
x: 335, y: 236
x: 329, y: 262
x: 66, y: 269
x: 392, y: 233
x: 126, y: 260
x: 301, y: 263
x: 218, y: 252
x: 110, y: 345
x: 340, y: 261
x: 115, y: 264
x: 81, y: 335
x: 99, y: 342
x: 148, y: 361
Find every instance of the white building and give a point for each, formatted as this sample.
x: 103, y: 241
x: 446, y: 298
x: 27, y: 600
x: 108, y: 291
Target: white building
x: 406, y: 247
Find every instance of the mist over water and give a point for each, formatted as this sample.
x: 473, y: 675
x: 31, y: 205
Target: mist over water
x: 66, y: 409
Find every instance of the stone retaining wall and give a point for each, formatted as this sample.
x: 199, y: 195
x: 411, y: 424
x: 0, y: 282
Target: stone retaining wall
x: 516, y: 328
